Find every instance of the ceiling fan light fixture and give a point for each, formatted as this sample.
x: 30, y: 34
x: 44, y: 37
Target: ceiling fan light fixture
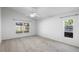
x: 33, y: 15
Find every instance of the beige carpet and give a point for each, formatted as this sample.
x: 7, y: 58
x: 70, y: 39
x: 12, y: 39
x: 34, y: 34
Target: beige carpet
x: 35, y: 44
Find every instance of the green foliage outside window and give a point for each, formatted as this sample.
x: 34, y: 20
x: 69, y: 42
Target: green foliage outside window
x: 22, y: 27
x: 69, y: 22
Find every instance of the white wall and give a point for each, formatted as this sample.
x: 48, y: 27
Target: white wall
x: 0, y: 24
x: 9, y: 24
x: 53, y: 28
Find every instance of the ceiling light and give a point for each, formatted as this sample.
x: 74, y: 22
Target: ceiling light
x: 33, y: 14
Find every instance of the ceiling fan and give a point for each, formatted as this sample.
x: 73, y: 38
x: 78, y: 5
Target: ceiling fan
x: 34, y: 12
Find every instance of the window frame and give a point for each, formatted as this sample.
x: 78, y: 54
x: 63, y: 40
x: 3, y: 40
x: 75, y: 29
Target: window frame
x: 22, y: 27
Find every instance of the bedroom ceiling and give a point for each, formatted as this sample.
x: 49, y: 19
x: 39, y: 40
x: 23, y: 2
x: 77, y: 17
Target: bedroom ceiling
x: 44, y: 12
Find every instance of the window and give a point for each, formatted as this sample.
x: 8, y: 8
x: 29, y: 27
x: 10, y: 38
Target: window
x: 22, y: 27
x: 26, y: 27
x: 68, y: 28
x: 19, y: 27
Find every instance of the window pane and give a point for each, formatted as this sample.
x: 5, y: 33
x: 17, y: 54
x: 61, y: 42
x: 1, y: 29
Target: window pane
x: 26, y: 27
x: 19, y: 27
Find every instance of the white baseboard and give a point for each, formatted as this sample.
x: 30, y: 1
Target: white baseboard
x: 19, y: 37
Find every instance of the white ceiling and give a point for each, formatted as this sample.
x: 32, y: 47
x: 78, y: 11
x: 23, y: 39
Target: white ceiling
x: 45, y: 12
